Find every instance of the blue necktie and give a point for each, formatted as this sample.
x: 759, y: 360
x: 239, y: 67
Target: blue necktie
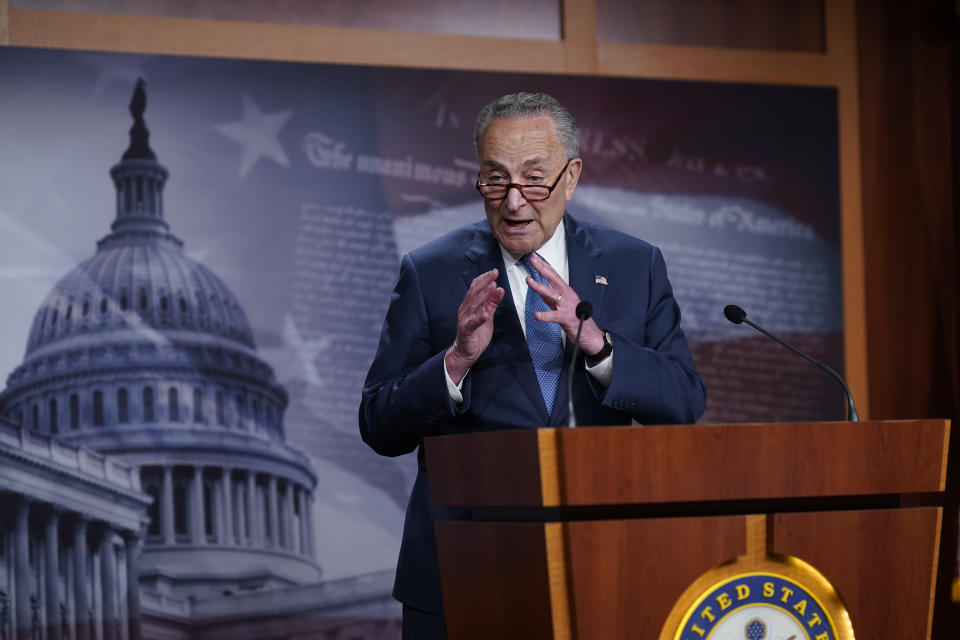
x: 544, y: 339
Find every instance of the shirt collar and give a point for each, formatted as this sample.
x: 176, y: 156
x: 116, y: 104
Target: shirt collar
x: 553, y: 250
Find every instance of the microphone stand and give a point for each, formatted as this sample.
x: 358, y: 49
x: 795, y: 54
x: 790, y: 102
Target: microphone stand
x: 737, y: 315
x: 584, y: 311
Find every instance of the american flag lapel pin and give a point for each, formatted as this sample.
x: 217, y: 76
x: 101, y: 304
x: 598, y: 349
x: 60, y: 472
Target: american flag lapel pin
x: 598, y: 279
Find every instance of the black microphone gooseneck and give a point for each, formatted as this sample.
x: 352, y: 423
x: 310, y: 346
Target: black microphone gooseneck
x: 736, y: 315
x: 584, y: 311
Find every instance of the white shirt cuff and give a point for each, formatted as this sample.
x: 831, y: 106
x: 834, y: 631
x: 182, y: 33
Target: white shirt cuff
x: 602, y: 372
x: 455, y: 390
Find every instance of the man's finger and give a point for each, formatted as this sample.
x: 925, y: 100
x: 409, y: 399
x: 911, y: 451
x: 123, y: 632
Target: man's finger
x: 548, y: 272
x: 550, y: 295
x: 479, y: 305
x: 484, y: 279
x: 493, y: 300
x: 480, y: 298
x: 480, y: 285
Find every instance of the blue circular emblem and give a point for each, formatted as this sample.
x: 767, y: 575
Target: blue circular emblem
x: 757, y: 606
x: 756, y: 629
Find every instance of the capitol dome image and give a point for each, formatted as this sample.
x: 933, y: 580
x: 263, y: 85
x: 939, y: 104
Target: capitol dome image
x: 145, y: 357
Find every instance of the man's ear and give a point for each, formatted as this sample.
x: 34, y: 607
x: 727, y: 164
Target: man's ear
x: 573, y: 177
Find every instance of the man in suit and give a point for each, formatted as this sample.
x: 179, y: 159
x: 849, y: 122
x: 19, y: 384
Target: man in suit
x: 482, y: 322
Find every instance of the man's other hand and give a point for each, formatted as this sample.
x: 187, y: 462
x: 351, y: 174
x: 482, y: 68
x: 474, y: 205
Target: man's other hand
x: 563, y: 301
x: 474, y: 324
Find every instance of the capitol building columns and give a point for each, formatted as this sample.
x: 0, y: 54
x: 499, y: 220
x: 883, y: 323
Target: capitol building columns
x: 21, y: 550
x: 166, y: 507
x: 63, y: 509
x: 71, y: 565
x: 110, y: 614
x: 198, y: 535
x: 228, y: 506
x: 52, y: 552
x: 273, y: 519
x: 302, y: 522
x: 62, y: 574
x: 256, y: 536
x: 240, y: 518
x: 225, y: 533
x: 81, y: 581
x: 286, y: 517
x: 133, y: 543
x: 310, y: 552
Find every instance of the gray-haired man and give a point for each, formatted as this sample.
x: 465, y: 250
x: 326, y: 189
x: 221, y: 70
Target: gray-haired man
x: 482, y: 321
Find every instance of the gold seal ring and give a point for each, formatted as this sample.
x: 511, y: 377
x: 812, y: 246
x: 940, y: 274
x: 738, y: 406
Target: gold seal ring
x: 559, y: 298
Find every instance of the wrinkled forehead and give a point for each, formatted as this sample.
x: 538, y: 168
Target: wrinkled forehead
x: 520, y: 142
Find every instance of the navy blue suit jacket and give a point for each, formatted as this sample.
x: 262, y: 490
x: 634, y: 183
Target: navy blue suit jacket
x: 405, y: 395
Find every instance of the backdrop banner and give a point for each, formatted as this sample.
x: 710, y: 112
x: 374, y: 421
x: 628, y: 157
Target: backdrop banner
x: 302, y: 185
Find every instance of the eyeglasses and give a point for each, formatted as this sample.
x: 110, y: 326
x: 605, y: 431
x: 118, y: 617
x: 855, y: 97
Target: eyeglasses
x: 530, y: 192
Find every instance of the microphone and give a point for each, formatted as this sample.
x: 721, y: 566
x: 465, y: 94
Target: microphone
x: 584, y: 310
x: 736, y: 315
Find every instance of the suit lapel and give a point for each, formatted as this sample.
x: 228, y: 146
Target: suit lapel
x: 508, y: 348
x: 587, y: 274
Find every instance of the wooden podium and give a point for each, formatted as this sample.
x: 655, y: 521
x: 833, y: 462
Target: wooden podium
x: 596, y: 532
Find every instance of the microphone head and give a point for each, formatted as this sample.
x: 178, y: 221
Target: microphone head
x: 584, y: 310
x: 734, y: 314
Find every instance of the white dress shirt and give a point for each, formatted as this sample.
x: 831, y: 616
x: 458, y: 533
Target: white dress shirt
x: 554, y: 252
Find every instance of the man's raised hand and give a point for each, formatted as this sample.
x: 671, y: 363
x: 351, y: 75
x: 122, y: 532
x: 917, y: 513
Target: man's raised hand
x: 474, y: 324
x: 563, y: 301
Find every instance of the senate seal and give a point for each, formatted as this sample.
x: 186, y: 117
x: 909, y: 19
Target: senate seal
x: 774, y: 598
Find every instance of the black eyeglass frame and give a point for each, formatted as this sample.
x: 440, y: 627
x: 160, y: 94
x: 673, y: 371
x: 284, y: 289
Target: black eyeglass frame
x: 521, y: 187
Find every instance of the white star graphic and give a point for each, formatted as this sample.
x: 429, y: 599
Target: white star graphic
x: 305, y: 350
x: 257, y: 135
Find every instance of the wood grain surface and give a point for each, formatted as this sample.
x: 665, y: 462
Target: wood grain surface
x: 882, y: 563
x: 646, y: 465
x: 742, y: 462
x: 495, y: 579
x: 626, y: 575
